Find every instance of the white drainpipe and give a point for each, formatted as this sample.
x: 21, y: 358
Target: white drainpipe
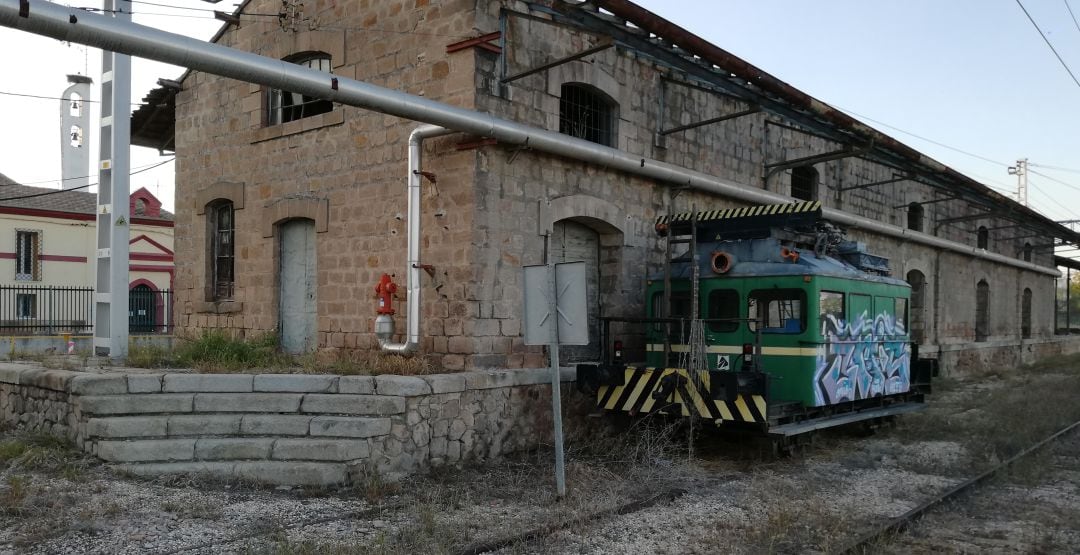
x: 78, y: 26
x: 412, y: 318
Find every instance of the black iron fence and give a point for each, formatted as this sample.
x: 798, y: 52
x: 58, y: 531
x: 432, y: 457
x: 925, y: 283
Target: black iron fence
x: 38, y: 310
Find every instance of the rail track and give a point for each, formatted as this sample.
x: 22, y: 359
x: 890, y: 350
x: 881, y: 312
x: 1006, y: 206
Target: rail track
x: 869, y: 541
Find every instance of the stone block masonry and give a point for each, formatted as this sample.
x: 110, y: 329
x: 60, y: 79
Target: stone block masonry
x: 283, y: 429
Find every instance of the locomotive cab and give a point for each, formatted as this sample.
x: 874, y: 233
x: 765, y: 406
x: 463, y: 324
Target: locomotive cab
x: 795, y: 327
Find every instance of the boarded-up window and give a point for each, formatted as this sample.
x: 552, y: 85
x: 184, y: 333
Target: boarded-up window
x: 982, y: 311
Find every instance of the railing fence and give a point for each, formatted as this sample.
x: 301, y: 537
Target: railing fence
x: 51, y: 310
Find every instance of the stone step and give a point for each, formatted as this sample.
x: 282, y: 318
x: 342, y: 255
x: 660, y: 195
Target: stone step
x: 232, y: 448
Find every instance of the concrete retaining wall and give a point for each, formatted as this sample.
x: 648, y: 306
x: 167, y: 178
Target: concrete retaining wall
x: 283, y: 428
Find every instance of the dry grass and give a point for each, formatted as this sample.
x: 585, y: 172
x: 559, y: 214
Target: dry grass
x: 216, y: 353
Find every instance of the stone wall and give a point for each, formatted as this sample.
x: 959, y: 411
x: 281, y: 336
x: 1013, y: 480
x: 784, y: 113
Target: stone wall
x: 283, y: 428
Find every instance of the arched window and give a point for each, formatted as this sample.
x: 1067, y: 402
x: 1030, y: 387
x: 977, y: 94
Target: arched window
x: 982, y: 310
x: 983, y: 238
x: 1025, y: 314
x: 587, y: 113
x: 222, y: 248
x: 1027, y: 252
x: 76, y: 136
x: 804, y: 183
x: 76, y: 104
x: 284, y: 106
x: 915, y: 216
x: 917, y: 281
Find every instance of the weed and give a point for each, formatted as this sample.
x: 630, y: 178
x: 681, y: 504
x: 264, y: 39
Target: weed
x: 148, y: 355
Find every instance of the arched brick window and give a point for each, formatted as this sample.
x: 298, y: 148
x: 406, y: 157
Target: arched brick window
x: 1025, y: 314
x: 915, y: 216
x: 222, y: 249
x: 587, y: 113
x: 284, y: 106
x: 982, y: 311
x: 804, y: 183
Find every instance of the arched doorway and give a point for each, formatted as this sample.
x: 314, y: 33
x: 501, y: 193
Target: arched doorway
x: 142, y: 309
x: 573, y: 242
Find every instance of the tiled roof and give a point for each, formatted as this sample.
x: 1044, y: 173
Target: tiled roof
x: 40, y: 198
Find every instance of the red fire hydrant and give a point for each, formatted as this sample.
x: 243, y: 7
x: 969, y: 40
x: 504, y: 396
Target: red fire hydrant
x: 385, y: 292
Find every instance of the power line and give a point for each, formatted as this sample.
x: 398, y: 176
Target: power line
x: 920, y: 137
x: 140, y: 168
x: 26, y: 95
x: 59, y: 191
x: 1071, y: 14
x: 1056, y: 180
x: 1052, y: 49
x: 1056, y: 168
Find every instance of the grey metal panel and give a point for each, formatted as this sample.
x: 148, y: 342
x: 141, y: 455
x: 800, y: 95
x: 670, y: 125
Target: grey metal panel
x: 574, y: 242
x: 298, y: 282
x: 573, y: 317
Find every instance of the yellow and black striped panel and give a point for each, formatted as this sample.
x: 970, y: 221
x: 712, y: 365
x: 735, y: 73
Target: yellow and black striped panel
x: 636, y: 397
x: 746, y: 211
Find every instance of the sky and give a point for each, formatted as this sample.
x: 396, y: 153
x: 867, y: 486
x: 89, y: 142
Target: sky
x: 968, y: 82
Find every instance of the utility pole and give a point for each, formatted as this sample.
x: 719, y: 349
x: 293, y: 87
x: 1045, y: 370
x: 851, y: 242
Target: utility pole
x: 1020, y: 170
x: 113, y: 213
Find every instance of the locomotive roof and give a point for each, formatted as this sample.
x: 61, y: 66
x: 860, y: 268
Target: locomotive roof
x: 761, y: 258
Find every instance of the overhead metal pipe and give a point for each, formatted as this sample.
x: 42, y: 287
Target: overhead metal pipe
x: 73, y: 25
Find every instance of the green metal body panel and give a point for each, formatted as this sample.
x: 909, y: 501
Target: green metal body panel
x: 821, y: 358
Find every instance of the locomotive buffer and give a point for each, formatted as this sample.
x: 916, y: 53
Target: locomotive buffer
x: 764, y: 319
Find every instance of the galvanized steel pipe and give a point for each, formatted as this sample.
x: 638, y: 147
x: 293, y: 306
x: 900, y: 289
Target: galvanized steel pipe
x: 73, y: 25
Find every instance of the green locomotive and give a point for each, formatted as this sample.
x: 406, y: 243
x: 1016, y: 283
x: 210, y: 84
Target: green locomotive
x: 769, y: 320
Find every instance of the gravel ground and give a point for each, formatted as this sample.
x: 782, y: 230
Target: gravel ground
x: 736, y: 500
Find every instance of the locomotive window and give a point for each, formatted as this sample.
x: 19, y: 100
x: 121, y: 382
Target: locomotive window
x: 831, y: 303
x: 901, y: 316
x: 680, y: 308
x: 780, y: 310
x: 723, y: 304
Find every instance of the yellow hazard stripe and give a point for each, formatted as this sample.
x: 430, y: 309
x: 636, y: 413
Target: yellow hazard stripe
x: 744, y: 410
x: 635, y: 394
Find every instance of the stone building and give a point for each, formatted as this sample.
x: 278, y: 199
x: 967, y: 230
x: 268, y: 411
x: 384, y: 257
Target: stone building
x: 290, y: 208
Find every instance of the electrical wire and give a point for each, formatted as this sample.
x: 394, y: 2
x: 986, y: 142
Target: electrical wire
x: 27, y: 183
x: 920, y: 137
x: 59, y: 191
x: 1055, y: 180
x: 1052, y: 49
x: 26, y: 95
x: 1071, y: 14
x: 1055, y: 168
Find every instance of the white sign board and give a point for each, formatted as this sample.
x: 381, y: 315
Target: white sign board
x: 571, y: 307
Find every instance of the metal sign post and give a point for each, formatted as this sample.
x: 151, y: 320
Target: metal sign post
x: 556, y: 313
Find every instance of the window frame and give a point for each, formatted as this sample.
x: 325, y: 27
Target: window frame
x: 982, y: 311
x: 809, y: 177
x: 982, y: 238
x: 757, y: 294
x: 31, y: 306
x: 222, y: 239
x: 277, y: 113
x: 723, y: 327
x: 28, y: 260
x: 600, y: 118
x: 916, y: 216
x: 843, y: 305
